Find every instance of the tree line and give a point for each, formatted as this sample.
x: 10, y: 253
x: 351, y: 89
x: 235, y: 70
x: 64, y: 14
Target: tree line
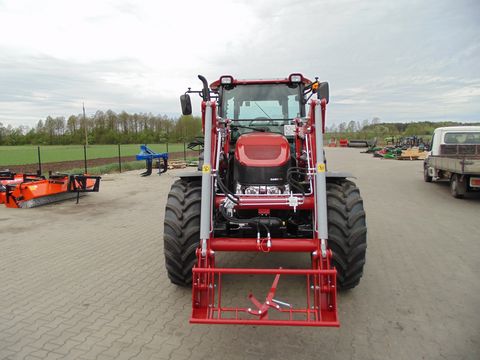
x: 376, y: 128
x: 104, y: 128
x: 141, y: 128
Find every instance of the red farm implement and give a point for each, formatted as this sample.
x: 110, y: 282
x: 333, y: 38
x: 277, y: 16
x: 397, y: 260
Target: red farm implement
x: 32, y: 190
x: 264, y: 188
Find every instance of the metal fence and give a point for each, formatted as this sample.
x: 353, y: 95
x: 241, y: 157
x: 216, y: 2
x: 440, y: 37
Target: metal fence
x: 77, y: 156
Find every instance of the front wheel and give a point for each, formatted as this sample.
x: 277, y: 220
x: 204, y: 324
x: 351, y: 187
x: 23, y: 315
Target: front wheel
x: 347, y: 232
x: 182, y: 230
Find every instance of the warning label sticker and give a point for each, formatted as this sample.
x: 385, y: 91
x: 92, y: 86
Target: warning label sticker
x: 321, y: 168
x: 206, y: 168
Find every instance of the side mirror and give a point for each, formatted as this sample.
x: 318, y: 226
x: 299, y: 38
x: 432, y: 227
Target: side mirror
x: 186, y: 104
x: 323, y: 91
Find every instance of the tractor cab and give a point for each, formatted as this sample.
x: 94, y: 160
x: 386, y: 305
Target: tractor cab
x: 261, y: 105
x: 265, y: 106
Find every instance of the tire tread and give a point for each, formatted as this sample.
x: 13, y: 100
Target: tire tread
x: 182, y: 230
x: 347, y: 232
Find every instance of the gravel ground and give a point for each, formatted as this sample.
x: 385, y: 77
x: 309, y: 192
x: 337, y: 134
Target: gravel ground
x: 88, y: 281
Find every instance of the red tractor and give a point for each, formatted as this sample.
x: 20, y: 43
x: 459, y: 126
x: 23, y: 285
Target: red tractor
x: 264, y: 187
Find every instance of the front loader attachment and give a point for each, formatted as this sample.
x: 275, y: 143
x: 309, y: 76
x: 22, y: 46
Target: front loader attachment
x: 274, y: 301
x: 319, y: 308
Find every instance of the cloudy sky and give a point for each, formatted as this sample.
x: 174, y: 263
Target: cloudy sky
x: 397, y: 60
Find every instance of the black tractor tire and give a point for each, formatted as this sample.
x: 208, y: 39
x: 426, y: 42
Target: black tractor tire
x: 426, y: 177
x: 347, y: 232
x: 458, y: 188
x: 181, y: 234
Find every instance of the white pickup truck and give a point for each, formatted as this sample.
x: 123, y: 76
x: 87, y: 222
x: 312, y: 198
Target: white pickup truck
x: 455, y: 156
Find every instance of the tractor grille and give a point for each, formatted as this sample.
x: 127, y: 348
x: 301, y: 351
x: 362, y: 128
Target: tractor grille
x: 263, y: 152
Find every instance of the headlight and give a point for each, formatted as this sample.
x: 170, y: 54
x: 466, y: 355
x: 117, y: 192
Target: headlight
x: 273, y: 190
x: 295, y: 78
x: 226, y: 80
x: 252, y: 190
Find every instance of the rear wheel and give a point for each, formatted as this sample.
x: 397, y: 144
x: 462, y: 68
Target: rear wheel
x: 347, y: 232
x: 182, y: 230
x: 458, y: 188
x: 426, y: 177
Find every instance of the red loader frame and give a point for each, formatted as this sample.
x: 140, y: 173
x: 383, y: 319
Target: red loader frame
x: 320, y: 306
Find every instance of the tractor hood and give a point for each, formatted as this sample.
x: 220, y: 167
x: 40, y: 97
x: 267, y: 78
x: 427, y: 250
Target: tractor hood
x: 260, y: 149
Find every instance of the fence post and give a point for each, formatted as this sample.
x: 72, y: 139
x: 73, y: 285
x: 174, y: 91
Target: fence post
x: 85, y: 157
x: 184, y: 151
x: 119, y: 160
x: 39, y: 171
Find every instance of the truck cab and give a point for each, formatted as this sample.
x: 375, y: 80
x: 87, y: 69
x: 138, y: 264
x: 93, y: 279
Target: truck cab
x: 455, y: 156
x: 454, y: 135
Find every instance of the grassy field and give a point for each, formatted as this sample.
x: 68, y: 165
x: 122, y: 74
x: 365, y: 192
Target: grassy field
x: 21, y: 155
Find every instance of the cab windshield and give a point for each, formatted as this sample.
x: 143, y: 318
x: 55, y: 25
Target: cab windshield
x: 462, y: 138
x: 257, y: 105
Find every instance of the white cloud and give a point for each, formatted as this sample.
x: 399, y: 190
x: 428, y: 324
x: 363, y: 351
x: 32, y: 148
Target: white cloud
x: 397, y: 60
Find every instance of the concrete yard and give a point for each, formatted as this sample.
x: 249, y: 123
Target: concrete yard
x: 88, y: 281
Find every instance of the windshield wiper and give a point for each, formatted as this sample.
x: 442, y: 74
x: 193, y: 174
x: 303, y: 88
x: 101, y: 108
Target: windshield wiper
x: 236, y: 127
x: 247, y: 127
x: 262, y: 110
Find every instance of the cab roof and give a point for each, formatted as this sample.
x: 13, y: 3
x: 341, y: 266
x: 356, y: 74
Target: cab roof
x: 217, y: 83
x: 458, y: 128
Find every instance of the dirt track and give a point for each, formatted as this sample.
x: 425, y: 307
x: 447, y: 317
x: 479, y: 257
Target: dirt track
x: 88, y: 280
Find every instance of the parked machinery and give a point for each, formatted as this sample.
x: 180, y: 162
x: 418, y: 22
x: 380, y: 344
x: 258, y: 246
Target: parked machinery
x: 32, y: 190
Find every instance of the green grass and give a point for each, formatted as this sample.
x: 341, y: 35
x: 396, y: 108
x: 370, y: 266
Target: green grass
x: 22, y: 155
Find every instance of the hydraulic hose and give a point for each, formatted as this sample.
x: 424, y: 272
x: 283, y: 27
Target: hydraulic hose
x: 294, y: 183
x: 227, y: 192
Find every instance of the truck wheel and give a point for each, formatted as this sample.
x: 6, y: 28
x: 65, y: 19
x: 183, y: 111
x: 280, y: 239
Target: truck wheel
x: 426, y: 177
x: 458, y: 188
x: 181, y: 234
x: 347, y: 232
